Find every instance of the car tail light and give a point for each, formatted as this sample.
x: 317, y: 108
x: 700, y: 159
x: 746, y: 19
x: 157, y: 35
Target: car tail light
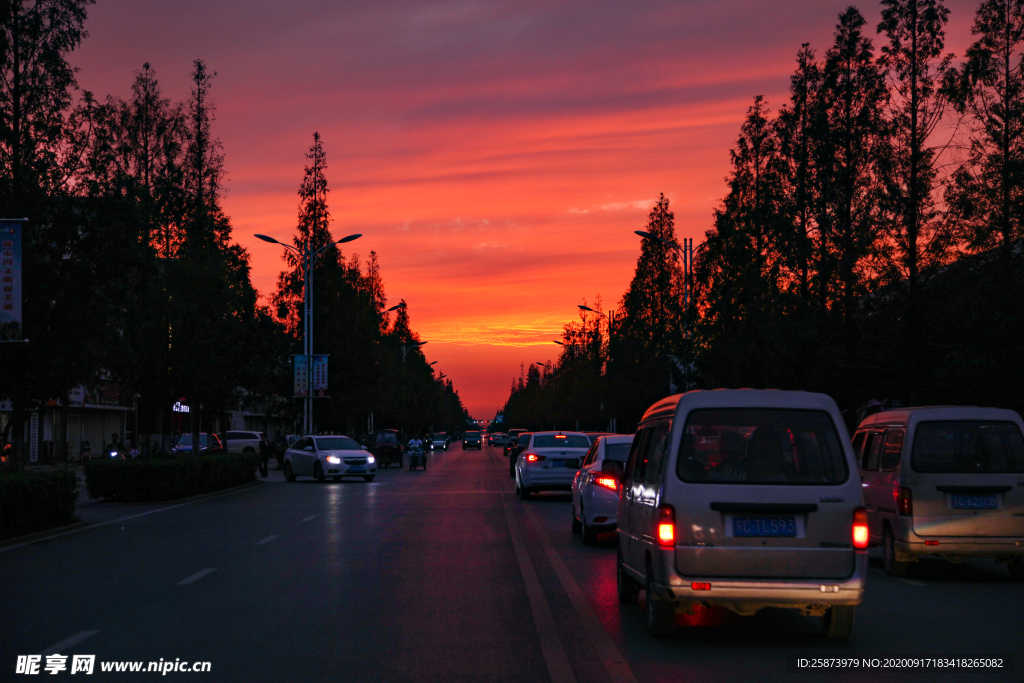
x: 533, y: 457
x: 666, y: 526
x: 700, y: 586
x: 931, y: 542
x: 905, y: 502
x: 860, y: 529
x: 610, y: 483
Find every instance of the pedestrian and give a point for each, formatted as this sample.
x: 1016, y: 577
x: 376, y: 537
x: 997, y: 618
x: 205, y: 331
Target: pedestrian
x: 264, y: 455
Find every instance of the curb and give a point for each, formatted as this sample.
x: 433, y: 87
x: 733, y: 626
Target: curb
x: 27, y: 538
x: 173, y: 501
x: 57, y: 532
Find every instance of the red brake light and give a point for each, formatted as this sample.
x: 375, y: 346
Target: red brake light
x: 931, y: 542
x: 610, y: 483
x: 700, y: 586
x: 533, y: 457
x: 860, y: 529
x: 666, y: 526
x: 905, y: 502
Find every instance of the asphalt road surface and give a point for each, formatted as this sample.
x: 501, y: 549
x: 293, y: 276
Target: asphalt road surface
x: 440, y: 575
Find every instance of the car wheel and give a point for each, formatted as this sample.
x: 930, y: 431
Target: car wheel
x: 288, y: 474
x: 576, y: 526
x: 837, y: 623
x: 318, y: 472
x: 661, y: 614
x: 368, y: 478
x: 1016, y: 569
x: 248, y: 450
x: 629, y: 590
x: 893, y: 567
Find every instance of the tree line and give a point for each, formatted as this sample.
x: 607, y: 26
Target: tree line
x: 868, y: 245
x: 131, y: 274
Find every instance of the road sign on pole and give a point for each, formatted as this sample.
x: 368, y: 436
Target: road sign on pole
x: 320, y: 375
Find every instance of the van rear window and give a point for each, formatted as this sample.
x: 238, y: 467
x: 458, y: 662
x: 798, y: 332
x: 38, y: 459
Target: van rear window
x: 962, y: 446
x: 761, y: 446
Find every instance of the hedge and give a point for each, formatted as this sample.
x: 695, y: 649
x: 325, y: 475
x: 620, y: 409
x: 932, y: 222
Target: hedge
x: 36, y: 501
x: 151, y: 479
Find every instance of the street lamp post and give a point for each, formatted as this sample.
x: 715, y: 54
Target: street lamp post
x: 309, y: 259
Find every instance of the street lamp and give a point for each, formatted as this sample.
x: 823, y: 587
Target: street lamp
x: 309, y: 258
x: 411, y: 345
x: 396, y: 307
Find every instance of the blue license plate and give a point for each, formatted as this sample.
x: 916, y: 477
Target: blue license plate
x: 960, y: 501
x: 558, y: 463
x: 764, y: 526
x: 357, y: 468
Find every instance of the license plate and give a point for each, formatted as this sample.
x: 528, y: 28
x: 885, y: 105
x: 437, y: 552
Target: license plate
x: 764, y: 526
x: 558, y: 463
x: 964, y: 502
x: 357, y: 468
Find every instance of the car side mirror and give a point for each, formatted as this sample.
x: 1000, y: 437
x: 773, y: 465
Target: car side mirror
x: 308, y: 448
x: 613, y: 467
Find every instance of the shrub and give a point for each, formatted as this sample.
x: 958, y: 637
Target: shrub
x: 36, y: 501
x: 152, y: 479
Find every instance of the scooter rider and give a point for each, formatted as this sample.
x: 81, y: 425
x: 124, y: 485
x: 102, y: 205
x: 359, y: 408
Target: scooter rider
x: 415, y: 443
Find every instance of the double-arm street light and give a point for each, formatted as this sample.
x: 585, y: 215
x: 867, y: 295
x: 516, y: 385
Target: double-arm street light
x: 309, y: 258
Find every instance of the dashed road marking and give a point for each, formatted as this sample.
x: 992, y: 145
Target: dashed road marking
x: 198, y: 575
x: 68, y: 642
x: 310, y: 518
x: 267, y: 540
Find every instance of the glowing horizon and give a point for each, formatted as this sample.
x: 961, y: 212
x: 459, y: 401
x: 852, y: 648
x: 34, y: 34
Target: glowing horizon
x: 496, y: 156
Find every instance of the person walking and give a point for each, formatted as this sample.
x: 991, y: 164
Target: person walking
x: 264, y: 455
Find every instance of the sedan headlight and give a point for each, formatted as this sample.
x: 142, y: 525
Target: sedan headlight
x: 333, y: 459
x: 370, y: 459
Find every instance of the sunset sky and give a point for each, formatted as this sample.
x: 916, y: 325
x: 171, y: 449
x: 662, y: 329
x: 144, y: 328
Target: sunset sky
x: 496, y: 155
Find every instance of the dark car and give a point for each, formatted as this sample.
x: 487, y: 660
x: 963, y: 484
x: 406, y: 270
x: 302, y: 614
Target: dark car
x: 208, y: 443
x: 520, y: 443
x: 512, y: 440
x: 387, y: 449
x: 472, y: 439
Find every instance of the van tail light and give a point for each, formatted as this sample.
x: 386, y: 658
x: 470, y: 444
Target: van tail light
x: 533, y: 457
x: 905, y: 502
x: 666, y: 526
x: 610, y: 483
x: 860, y: 528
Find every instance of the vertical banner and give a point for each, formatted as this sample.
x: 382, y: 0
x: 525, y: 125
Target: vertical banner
x: 10, y: 281
x: 320, y: 376
x: 301, y: 376
x: 33, y: 437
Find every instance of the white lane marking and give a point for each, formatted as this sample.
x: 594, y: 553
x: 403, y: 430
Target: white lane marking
x: 267, y: 540
x: 310, y: 518
x: 614, y: 663
x: 122, y: 519
x: 559, y: 669
x: 195, y: 577
x: 68, y: 642
x: 910, y: 581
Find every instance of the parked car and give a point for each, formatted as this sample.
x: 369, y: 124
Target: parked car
x: 334, y: 456
x: 595, y: 489
x: 513, y: 438
x: 244, y: 442
x: 765, y: 486
x: 387, y: 448
x: 521, y: 443
x: 549, y: 462
x: 440, y: 441
x: 471, y: 439
x: 208, y: 443
x: 499, y: 438
x: 945, y: 481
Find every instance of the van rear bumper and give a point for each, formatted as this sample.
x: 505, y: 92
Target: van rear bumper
x: 961, y: 547
x: 755, y: 592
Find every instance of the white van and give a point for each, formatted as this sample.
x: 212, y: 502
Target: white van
x: 744, y: 499
x: 946, y: 481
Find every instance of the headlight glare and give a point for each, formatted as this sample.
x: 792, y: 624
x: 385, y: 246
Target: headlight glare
x: 333, y: 459
x: 370, y: 459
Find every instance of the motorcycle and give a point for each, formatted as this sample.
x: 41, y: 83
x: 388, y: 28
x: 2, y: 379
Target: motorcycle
x: 86, y: 452
x: 417, y: 458
x: 114, y: 452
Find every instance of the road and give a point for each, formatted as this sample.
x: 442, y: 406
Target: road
x: 440, y: 575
